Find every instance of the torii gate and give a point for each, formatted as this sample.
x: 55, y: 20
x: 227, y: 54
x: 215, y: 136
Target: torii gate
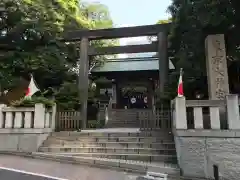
x: 85, y: 36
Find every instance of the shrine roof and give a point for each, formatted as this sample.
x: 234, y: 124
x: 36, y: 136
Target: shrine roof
x: 131, y: 64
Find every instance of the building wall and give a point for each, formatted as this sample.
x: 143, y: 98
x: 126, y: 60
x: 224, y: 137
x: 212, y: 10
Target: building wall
x: 199, y: 150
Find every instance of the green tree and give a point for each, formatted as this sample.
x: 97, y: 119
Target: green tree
x: 192, y: 21
x: 165, y: 21
x: 99, y: 15
x: 30, y: 26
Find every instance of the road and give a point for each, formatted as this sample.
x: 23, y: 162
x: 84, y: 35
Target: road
x: 20, y: 168
x: 13, y: 174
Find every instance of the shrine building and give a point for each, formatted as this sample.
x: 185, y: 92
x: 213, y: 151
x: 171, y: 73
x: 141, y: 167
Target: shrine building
x: 130, y: 82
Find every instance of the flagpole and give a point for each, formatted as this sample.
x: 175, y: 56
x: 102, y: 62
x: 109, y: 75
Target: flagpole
x: 181, y: 71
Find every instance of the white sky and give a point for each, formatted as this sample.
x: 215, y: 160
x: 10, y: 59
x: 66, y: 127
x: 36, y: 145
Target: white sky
x: 125, y: 41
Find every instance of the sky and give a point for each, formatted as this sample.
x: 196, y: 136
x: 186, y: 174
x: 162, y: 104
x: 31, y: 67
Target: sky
x: 136, y: 12
x: 126, y: 13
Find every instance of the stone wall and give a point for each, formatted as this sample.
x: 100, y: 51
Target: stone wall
x: 22, y: 140
x: 199, y: 150
x: 25, y: 128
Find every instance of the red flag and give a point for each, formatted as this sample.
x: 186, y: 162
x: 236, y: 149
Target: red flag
x: 180, y: 86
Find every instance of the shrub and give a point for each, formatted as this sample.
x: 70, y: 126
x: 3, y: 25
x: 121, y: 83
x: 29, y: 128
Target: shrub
x: 27, y: 102
x: 96, y: 123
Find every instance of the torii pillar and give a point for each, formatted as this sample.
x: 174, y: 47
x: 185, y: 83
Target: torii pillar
x: 163, y: 60
x: 83, y: 80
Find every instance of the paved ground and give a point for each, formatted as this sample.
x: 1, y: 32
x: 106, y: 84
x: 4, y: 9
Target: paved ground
x: 35, y: 169
x: 12, y: 174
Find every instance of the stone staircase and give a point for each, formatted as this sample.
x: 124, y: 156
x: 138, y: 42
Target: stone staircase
x: 135, y: 146
x: 130, y: 123
x: 124, y: 121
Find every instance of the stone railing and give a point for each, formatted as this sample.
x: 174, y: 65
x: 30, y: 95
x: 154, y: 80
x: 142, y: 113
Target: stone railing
x: 212, y: 151
x: 218, y: 112
x: 37, y: 117
x: 25, y: 128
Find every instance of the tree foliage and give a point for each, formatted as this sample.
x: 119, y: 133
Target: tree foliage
x: 165, y: 21
x: 192, y: 21
x: 31, y: 26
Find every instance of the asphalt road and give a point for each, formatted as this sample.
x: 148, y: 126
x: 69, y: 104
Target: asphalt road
x: 13, y: 175
x: 20, y: 168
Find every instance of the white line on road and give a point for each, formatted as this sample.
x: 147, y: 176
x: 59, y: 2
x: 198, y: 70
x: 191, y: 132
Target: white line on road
x: 31, y: 173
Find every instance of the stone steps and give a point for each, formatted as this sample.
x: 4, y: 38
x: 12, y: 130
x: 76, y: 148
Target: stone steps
x: 76, y: 149
x: 112, y: 139
x: 112, y: 123
x: 136, y: 145
x: 130, y: 132
x: 125, y: 156
x: 113, y: 143
x: 124, y: 144
x: 122, y: 124
x: 122, y: 121
x: 116, y: 164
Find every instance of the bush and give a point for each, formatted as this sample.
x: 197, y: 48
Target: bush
x: 96, y: 124
x: 27, y: 102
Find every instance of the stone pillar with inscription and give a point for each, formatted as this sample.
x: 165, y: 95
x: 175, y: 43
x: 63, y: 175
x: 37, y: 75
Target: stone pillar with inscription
x: 217, y: 71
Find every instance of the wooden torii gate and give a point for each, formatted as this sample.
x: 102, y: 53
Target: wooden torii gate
x: 86, y: 51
